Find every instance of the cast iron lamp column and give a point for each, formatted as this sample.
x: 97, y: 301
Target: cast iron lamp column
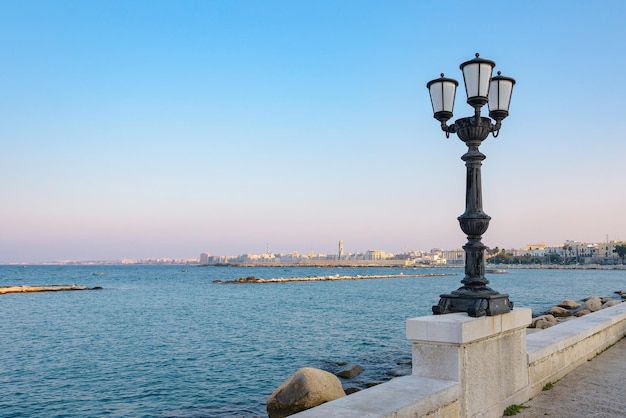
x: 474, y: 297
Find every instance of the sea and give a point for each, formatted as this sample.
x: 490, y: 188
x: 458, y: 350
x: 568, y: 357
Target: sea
x: 168, y: 341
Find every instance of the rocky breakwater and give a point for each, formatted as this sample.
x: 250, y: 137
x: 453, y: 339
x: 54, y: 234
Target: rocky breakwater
x: 51, y: 288
x: 569, y: 309
x: 252, y: 279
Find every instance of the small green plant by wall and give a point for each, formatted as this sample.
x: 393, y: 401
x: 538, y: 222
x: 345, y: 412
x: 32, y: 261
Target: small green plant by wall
x: 513, y: 410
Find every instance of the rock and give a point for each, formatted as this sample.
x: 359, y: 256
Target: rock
x: 399, y: 371
x: 305, y: 389
x: 610, y: 302
x: 568, y: 304
x: 349, y: 371
x: 543, y: 322
x: 557, y: 311
x: 582, y: 312
x: 593, y: 304
x: 562, y: 319
x: 350, y: 391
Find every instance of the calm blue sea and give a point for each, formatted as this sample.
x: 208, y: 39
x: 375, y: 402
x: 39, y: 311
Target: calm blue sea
x: 161, y: 342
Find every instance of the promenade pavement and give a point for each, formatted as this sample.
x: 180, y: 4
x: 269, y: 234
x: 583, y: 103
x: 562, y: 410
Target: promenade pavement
x: 595, y: 389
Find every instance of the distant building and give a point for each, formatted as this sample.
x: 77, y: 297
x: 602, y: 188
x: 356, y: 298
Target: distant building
x: 454, y: 257
x: 607, y: 250
x: 375, y: 255
x: 535, y: 250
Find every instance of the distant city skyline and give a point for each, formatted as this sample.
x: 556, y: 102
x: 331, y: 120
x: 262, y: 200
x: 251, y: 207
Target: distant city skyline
x: 532, y: 247
x: 151, y: 129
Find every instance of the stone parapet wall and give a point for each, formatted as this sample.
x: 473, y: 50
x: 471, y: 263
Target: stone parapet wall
x: 487, y: 356
x: 476, y: 367
x: 402, y: 397
x: 556, y: 351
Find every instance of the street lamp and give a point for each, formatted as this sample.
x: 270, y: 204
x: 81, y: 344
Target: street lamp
x: 474, y: 297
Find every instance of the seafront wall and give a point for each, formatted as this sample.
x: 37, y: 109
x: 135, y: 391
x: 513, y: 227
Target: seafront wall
x: 556, y: 351
x: 476, y: 367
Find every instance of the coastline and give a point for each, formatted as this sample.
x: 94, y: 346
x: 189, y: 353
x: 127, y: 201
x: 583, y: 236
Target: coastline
x: 333, y: 264
x: 559, y: 266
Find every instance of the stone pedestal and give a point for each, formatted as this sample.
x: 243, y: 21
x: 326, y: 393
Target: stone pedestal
x: 486, y: 355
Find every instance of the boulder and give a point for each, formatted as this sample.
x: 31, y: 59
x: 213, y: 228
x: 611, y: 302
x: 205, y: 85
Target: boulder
x: 305, y: 389
x: 349, y: 371
x: 543, y: 321
x: 351, y: 390
x: 568, y: 304
x: 562, y: 319
x: 558, y: 312
x: 593, y: 304
x: 399, y: 371
x: 582, y: 312
x: 610, y: 302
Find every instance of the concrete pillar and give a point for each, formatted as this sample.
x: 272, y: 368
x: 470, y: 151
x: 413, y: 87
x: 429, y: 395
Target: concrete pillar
x: 486, y: 355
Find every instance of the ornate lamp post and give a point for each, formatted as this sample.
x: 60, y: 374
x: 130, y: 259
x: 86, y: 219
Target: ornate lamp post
x: 474, y: 297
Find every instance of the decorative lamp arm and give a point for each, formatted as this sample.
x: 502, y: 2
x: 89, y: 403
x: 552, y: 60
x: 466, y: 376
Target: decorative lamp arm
x: 448, y: 129
x: 495, y: 129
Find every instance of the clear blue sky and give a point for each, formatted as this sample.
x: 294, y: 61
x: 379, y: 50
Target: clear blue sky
x: 170, y: 128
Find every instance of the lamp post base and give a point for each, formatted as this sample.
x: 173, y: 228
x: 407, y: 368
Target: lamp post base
x: 475, y: 304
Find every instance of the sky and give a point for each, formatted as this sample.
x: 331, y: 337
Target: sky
x: 146, y: 129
